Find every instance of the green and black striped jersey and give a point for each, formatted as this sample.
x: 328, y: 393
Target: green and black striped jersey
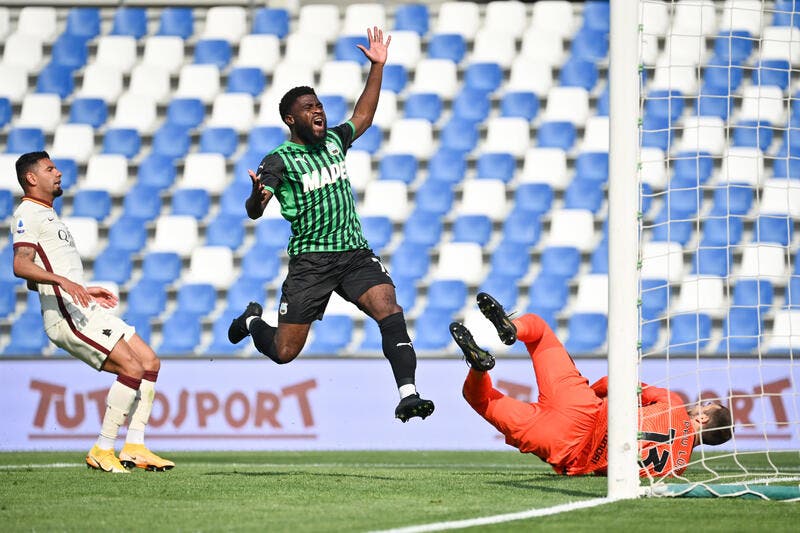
x: 312, y: 186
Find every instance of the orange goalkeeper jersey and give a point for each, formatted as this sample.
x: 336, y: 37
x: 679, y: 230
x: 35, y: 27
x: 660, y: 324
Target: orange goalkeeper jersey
x: 666, y: 438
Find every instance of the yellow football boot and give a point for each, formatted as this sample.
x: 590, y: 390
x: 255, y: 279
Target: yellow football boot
x: 104, y: 460
x: 139, y: 456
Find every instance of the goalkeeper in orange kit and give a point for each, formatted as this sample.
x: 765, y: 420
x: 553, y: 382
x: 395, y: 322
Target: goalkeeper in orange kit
x: 568, y: 426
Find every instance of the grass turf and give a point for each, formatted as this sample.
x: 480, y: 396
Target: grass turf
x: 341, y: 491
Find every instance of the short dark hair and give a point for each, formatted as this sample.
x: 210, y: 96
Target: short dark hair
x: 291, y: 96
x: 26, y: 162
x: 719, y: 428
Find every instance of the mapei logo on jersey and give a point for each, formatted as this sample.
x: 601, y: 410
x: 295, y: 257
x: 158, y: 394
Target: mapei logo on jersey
x: 327, y: 175
x: 332, y: 148
x: 20, y: 227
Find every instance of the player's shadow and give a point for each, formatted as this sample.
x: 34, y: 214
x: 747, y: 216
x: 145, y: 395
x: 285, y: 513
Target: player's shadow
x: 299, y: 473
x: 530, y: 484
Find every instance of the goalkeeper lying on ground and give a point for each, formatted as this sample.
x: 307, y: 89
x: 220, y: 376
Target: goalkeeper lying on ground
x: 568, y: 426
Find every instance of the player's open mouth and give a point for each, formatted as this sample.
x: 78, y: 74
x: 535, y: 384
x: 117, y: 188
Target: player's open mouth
x: 318, y: 122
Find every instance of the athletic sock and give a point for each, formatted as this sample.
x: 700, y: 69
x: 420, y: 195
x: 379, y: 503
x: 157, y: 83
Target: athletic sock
x: 264, y: 338
x: 399, y: 351
x: 141, y: 409
x: 119, y: 401
x: 529, y: 327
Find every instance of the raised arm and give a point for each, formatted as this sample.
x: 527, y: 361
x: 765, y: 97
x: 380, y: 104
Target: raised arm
x: 367, y: 103
x: 258, y: 199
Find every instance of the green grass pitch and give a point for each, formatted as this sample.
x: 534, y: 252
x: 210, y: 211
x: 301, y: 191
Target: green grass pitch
x: 344, y: 491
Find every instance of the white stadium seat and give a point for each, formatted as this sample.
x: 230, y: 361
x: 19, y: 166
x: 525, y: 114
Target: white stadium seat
x: 165, y: 51
x: 484, y: 197
x: 359, y: 17
x: 39, y: 21
x: 212, y: 265
x: 225, y: 22
x: 592, y: 294
x: 570, y: 104
x: 507, y: 16
x: 13, y: 82
x: 359, y: 168
x: 554, y: 15
x: 655, y: 17
x: 233, y: 110
x: 40, y: 111
x: 85, y: 233
x: 175, y: 233
x: 743, y: 15
x: 703, y: 134
x: 662, y: 260
x: 101, y: 81
x: 198, y: 81
x: 545, y: 165
x: 494, y: 46
x: 742, y: 164
x: 406, y: 49
x: 150, y: 80
x: 388, y: 198
x: 24, y: 51
x: 260, y: 51
x: 460, y: 260
x: 781, y: 42
x: 780, y: 196
x: 785, y: 334
x: 762, y: 103
x: 437, y: 76
x: 411, y: 136
x: 73, y: 141
x: 117, y: 51
x: 307, y: 49
x: 572, y: 227
x: 507, y: 134
x: 694, y: 17
x: 764, y: 261
x: 8, y: 176
x: 686, y: 49
x: 108, y: 172
x: 669, y: 76
x: 342, y: 78
x: 543, y: 45
x: 530, y: 75
x: 704, y: 294
x: 463, y: 18
x: 136, y: 111
x: 204, y: 171
x: 595, y: 136
x: 386, y: 113
x: 323, y: 18
x: 653, y: 167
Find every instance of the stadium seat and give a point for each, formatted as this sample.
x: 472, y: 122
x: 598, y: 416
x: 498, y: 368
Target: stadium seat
x: 657, y: 133
x: 180, y: 334
x: 225, y: 22
x: 161, y: 267
x: 426, y: 106
x: 741, y: 331
x: 360, y: 16
x: 696, y: 166
x: 592, y: 166
x: 272, y: 232
x: 201, y: 81
x: 176, y: 22
x: 447, y: 165
x: 331, y: 335
x: 40, y: 111
x: 130, y: 21
x: 171, y: 141
x: 402, y: 167
x: 655, y: 295
x: 69, y: 51
x: 113, y: 264
x: 90, y: 203
x: 497, y: 166
x: 386, y: 198
x: 584, y: 193
x: 91, y: 111
x: 142, y: 202
x: 407, y: 48
x: 165, y: 52
x: 377, y: 230
x: 484, y: 76
x: 412, y: 17
x: 265, y: 138
x: 436, y: 76
x: 147, y: 297
x: 249, y: 80
x: 702, y: 293
x: 100, y: 81
x: 117, y: 52
x: 548, y: 294
x: 447, y: 295
x: 429, y: 335
x: 175, y: 233
x: 678, y: 230
x: 771, y: 228
x: 213, y: 52
x: 572, y: 227
x: 472, y: 228
x: 7, y: 203
x: 510, y: 260
x: 22, y: 140
x: 190, y: 202
x: 220, y: 345
x: 107, y: 172
x: 219, y: 140
x: 261, y: 263
x: 8, y: 298
x: 370, y: 141
x: 22, y: 53
x: 423, y: 227
x: 271, y: 21
x: 157, y: 171
x: 151, y: 81
x: 579, y: 72
x: 460, y: 260
x: 459, y: 135
x: 73, y: 141
x: 567, y: 104
x: 722, y: 231
x: 472, y: 104
x: 242, y: 292
x: 186, y: 112
x: 720, y: 73
x: 27, y: 336
x: 458, y: 17
x: 753, y: 134
x: 5, y: 110
x: 410, y: 260
x: 205, y: 171
x: 563, y: 261
x: 225, y: 230
x: 708, y: 261
x: 533, y: 198
x: 41, y: 21
x: 760, y: 293
x: 586, y: 332
x: 772, y: 72
x: 545, y: 165
x: 346, y: 49
x: 494, y: 45
x: 714, y: 101
x: 395, y: 78
x: 559, y: 135
x: 484, y: 197
x: 196, y: 298
x: 83, y: 22
x: 689, y: 332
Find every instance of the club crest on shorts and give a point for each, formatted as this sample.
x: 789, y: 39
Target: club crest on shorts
x: 332, y: 148
x: 283, y: 308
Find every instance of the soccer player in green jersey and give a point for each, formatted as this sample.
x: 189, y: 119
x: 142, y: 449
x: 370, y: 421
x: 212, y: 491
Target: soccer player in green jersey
x: 327, y: 249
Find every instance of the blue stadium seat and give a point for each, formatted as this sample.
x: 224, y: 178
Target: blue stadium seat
x: 6, y: 111
x: 427, y: 106
x: 722, y: 231
x: 471, y: 104
x: 450, y: 46
x: 93, y: 203
x: 219, y: 140
x: 472, y: 228
x: 148, y: 298
x: 244, y: 291
x: 597, y: 15
x: 434, y: 196
x: 773, y: 229
x: 56, y: 79
x: 496, y: 166
x: 510, y: 260
x: 533, y: 197
x: 395, y: 78
x: 647, y: 197
x: 689, y: 332
x: 603, y: 102
x: 714, y: 101
x: 248, y: 80
x: 673, y: 229
x: 335, y: 106
x: 370, y: 140
x: 787, y: 13
x: 734, y: 46
x: 91, y: 111
x: 586, y: 332
x: 196, y: 298
x: 483, y: 76
x: 130, y: 21
x: 598, y: 261
x: 697, y: 166
x: 272, y: 21
x: 188, y: 112
x: 548, y: 294
x: 401, y: 167
x: 684, y: 197
x: 429, y: 333
x: 161, y: 267
x: 83, y: 22
x: 377, y: 230
x: 122, y: 141
x: 264, y: 139
x: 331, y: 335
x: 22, y: 140
x: 447, y: 164
x: 157, y: 171
x: 232, y: 200
x: 447, y: 295
x: 503, y: 288
x: 8, y: 298
x: 215, y: 52
x: 665, y: 104
x: 712, y: 261
x: 522, y: 227
x: 225, y: 230
x: 655, y: 297
x: 410, y: 260
x: 519, y: 104
x: 192, y: 202
x: 754, y: 134
x: 656, y: 132
x: 459, y: 135
x: 719, y: 73
x: 561, y: 261
x: 142, y: 202
x: 220, y: 345
x: 345, y: 49
x: 772, y: 72
x: 412, y: 17
x: 786, y: 167
x: 556, y: 134
x: 372, y: 341
x: 583, y: 193
x: 181, y: 334
x: 592, y: 166
x: 69, y: 172
x: 741, y: 330
x: 577, y: 72
x: 423, y: 227
x: 792, y: 298
x: 7, y: 264
x: 589, y: 45
x: 128, y: 234
x: 69, y: 51
x: 6, y: 203
x: 176, y: 21
x: 113, y: 264
x: 649, y: 335
x: 405, y: 292
x: 28, y: 336
x: 172, y: 141
x: 760, y: 293
x: 261, y: 263
x: 273, y: 232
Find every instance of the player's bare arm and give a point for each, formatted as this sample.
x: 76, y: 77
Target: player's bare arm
x: 367, y: 103
x: 27, y: 269
x: 258, y: 199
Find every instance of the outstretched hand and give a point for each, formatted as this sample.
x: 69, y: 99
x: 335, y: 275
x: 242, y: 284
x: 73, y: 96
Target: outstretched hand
x: 378, y: 50
x: 102, y: 296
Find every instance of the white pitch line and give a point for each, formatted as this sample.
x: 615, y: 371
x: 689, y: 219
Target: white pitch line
x: 500, y: 518
x: 34, y: 466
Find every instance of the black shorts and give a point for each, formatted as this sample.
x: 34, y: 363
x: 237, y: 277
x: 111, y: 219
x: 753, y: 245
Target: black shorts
x: 314, y: 276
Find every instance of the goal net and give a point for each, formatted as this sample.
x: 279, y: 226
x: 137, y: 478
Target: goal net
x: 718, y: 272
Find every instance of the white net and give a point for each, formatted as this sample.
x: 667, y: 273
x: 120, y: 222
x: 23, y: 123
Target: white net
x: 720, y: 178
